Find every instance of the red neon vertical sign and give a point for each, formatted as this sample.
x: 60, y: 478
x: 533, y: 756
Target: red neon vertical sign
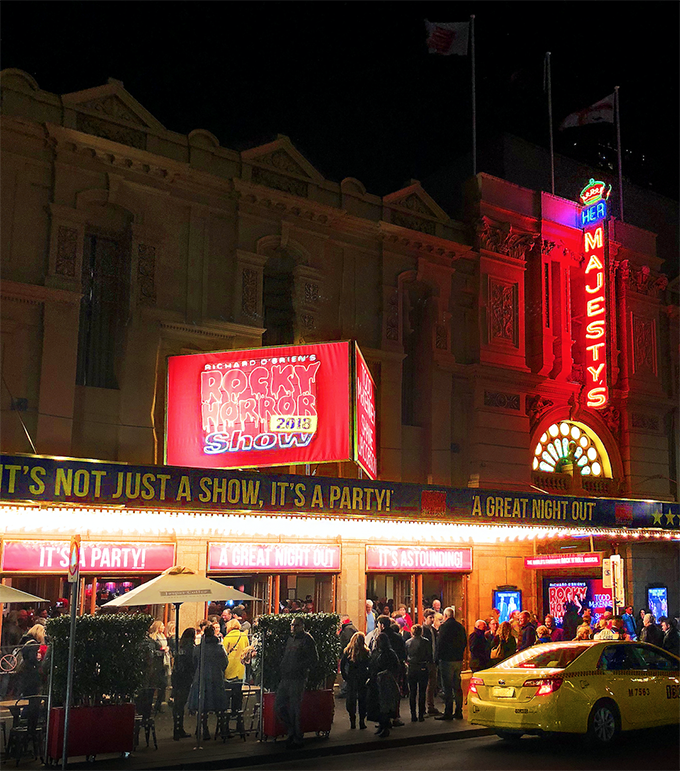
x: 595, y: 291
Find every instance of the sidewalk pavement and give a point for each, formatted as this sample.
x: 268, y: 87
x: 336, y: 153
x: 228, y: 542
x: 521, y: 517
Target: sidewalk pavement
x: 236, y: 753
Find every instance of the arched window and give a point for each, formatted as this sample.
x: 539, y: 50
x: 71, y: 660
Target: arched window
x: 568, y: 441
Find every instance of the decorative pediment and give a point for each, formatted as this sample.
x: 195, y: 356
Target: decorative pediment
x: 414, y: 200
x: 112, y: 103
x: 281, y: 157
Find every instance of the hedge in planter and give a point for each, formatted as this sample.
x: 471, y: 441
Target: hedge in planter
x: 111, y: 657
x: 275, y: 630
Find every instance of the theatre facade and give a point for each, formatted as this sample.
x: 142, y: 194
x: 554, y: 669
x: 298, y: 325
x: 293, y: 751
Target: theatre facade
x: 496, y: 421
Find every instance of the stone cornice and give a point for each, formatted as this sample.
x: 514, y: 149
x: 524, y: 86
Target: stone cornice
x: 433, y: 246
x: 284, y: 204
x: 36, y: 293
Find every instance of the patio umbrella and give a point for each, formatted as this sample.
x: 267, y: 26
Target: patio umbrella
x: 10, y: 594
x: 177, y: 585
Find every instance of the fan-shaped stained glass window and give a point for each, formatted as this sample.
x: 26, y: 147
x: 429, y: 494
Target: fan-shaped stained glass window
x: 568, y: 442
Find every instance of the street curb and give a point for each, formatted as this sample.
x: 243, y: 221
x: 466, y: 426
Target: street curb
x: 321, y: 750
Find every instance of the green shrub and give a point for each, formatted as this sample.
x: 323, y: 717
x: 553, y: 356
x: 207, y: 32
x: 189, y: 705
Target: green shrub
x: 111, y: 657
x: 275, y: 631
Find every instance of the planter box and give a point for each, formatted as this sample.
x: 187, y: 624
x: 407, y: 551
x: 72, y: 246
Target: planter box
x: 316, y: 714
x: 92, y: 730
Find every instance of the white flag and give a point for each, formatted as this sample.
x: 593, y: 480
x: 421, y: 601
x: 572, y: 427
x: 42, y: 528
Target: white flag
x: 600, y: 112
x: 448, y: 38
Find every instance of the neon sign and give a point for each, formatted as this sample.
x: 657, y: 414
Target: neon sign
x: 271, y: 407
x: 594, y: 199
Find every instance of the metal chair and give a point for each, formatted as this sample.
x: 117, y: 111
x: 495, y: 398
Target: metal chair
x: 28, y: 728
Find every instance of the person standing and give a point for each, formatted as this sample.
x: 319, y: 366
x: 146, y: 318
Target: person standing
x: 355, y: 669
x: 347, y: 630
x: 371, y: 617
x: 451, y: 645
x: 479, y: 648
x: 299, y: 657
x: 383, y: 695
x: 235, y: 642
x: 418, y: 658
x: 182, y: 677
x: 211, y: 657
x: 651, y: 633
x: 556, y: 634
x: 640, y: 622
x: 161, y: 662
x: 504, y: 644
x: 430, y: 634
x: 671, y: 638
x: 33, y: 649
x: 629, y: 622
x: 527, y: 632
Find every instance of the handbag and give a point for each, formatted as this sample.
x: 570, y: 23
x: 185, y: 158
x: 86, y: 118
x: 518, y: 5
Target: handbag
x: 497, y: 652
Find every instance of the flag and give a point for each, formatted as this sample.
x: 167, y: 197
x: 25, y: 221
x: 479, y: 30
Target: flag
x: 600, y: 112
x: 448, y: 38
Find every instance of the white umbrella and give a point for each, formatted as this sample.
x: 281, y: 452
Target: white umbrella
x: 178, y: 584
x: 10, y: 594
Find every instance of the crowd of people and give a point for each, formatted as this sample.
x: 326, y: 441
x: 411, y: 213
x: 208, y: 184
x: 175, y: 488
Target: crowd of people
x: 396, y: 659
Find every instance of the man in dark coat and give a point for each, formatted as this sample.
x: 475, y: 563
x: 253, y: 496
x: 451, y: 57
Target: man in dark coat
x: 479, y: 647
x: 451, y: 645
x: 527, y: 631
x: 671, y: 638
x: 430, y: 634
x: 299, y: 657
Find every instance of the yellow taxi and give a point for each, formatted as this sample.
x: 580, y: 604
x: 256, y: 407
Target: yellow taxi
x: 597, y: 688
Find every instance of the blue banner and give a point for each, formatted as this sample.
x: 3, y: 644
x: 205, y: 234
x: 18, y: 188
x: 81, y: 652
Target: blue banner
x: 91, y: 483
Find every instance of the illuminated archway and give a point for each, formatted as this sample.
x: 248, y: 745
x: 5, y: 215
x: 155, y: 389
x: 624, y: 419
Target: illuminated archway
x: 567, y: 441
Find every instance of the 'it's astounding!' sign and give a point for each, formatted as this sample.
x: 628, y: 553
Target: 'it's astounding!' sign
x: 270, y: 407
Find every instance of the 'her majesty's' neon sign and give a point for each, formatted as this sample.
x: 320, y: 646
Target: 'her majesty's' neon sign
x: 593, y: 215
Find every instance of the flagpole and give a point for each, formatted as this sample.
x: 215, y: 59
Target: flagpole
x: 618, y: 143
x: 550, y: 123
x: 474, y: 100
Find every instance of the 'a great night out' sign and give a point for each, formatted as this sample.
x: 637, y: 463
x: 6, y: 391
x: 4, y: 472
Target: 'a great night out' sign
x: 593, y: 217
x: 271, y: 407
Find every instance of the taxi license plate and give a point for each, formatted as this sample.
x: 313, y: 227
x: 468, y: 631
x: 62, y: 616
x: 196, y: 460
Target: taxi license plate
x: 503, y: 693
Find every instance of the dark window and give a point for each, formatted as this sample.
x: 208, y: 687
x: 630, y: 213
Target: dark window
x: 102, y: 311
x: 277, y: 301
x: 651, y: 659
x: 616, y: 658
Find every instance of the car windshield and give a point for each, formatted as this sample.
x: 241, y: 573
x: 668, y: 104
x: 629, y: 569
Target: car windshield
x: 544, y: 657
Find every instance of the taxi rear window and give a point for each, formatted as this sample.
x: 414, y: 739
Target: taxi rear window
x: 550, y: 658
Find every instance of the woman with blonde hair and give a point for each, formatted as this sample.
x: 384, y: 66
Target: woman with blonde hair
x: 504, y: 644
x: 161, y: 668
x: 583, y: 632
x: 354, y: 666
x: 235, y: 642
x: 32, y: 649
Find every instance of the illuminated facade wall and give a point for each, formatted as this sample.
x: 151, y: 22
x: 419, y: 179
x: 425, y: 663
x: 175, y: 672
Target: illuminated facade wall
x: 475, y: 343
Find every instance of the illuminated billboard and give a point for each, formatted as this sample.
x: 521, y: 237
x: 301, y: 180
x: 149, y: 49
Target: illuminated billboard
x: 285, y: 405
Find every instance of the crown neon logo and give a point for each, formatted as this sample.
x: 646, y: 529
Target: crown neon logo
x: 594, y: 199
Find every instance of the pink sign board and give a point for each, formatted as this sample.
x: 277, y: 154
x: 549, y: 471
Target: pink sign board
x: 366, y: 449
x: 418, y: 559
x: 274, y: 557
x: 98, y: 558
x: 582, y: 560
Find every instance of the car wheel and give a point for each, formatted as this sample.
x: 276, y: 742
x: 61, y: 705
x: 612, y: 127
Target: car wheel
x: 603, y: 724
x: 509, y: 736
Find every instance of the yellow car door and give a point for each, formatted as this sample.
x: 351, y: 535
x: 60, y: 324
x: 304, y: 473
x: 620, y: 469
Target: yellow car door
x: 663, y: 674
x: 625, y: 682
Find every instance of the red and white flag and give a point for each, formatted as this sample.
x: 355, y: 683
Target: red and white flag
x: 448, y: 38
x: 600, y: 112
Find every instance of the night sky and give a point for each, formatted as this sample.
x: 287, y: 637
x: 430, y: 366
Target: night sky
x: 352, y: 83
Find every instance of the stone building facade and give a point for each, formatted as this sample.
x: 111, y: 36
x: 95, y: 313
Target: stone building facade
x: 124, y: 242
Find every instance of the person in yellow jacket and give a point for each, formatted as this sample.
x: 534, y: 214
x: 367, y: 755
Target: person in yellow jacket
x: 235, y: 642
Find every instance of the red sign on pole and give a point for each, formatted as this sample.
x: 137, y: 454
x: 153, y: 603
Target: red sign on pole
x: 280, y: 557
x: 366, y: 453
x: 418, y: 559
x: 582, y: 559
x: 97, y: 558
